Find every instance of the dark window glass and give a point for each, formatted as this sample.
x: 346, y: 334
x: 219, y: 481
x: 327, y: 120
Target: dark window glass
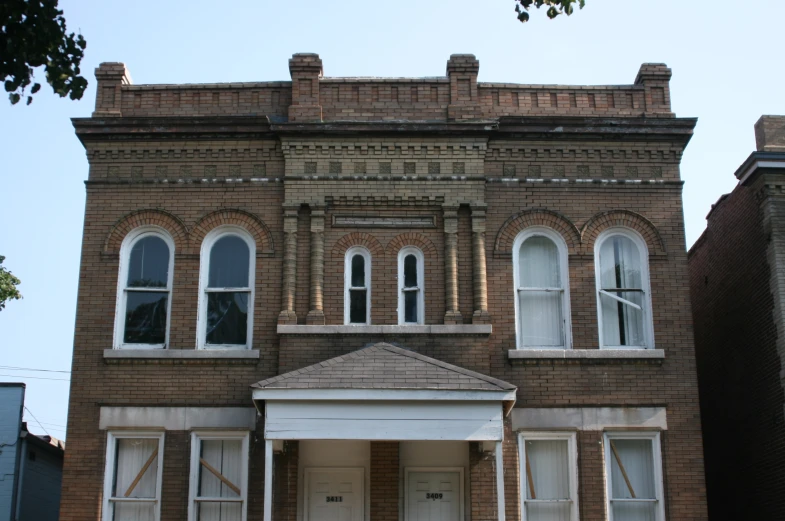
x: 227, y: 317
x: 410, y: 306
x: 410, y: 271
x: 358, y: 306
x: 229, y: 262
x: 148, y: 266
x: 145, y: 317
x: 358, y: 271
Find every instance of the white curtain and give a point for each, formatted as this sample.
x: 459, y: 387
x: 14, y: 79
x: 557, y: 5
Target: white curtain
x: 637, y: 457
x: 541, y: 318
x: 550, y: 479
x: 620, y: 267
x: 131, y: 456
x: 225, y: 456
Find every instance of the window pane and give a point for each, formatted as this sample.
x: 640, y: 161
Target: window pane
x: 145, y: 317
x: 538, y: 263
x: 227, y: 317
x: 634, y: 511
x: 410, y: 271
x: 219, y: 511
x: 410, y: 306
x: 542, y: 323
x: 229, y: 263
x: 225, y: 456
x: 638, y: 460
x: 548, y: 511
x: 133, y: 512
x: 148, y: 265
x: 620, y: 263
x: 132, y: 454
x: 358, y: 306
x: 549, y: 463
x: 358, y: 271
x: 622, y: 324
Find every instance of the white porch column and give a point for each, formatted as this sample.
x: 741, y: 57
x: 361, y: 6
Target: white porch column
x: 499, y: 480
x: 268, y: 480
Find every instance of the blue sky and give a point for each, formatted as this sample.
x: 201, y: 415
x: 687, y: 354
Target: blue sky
x: 727, y: 71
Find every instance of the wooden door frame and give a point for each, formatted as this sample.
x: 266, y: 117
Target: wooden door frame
x: 409, y: 470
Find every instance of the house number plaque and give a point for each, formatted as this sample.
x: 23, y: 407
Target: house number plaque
x: 335, y: 499
x: 434, y: 495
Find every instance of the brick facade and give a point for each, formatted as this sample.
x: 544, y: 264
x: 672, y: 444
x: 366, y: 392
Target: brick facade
x: 314, y: 166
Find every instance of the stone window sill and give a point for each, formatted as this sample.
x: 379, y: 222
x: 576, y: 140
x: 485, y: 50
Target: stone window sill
x: 182, y: 355
x: 587, y: 355
x: 437, y: 329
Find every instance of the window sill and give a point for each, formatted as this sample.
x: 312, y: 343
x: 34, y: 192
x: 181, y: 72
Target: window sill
x: 610, y: 356
x: 436, y: 329
x: 245, y: 356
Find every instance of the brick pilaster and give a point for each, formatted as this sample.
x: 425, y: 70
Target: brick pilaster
x: 479, y: 271
x: 384, y: 480
x: 316, y: 313
x: 287, y: 315
x: 452, y: 314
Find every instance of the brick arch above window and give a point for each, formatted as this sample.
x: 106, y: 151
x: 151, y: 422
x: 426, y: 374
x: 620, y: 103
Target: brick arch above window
x: 412, y: 239
x: 358, y: 239
x: 624, y: 218
x: 146, y: 217
x: 536, y: 217
x: 232, y: 216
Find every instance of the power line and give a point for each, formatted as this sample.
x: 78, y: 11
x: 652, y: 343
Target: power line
x: 36, y: 419
x: 13, y: 368
x: 36, y: 378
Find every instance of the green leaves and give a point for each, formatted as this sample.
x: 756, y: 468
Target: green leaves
x: 555, y: 7
x: 8, y: 284
x: 33, y: 34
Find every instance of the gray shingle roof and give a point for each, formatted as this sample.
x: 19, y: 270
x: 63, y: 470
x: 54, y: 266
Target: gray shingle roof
x: 384, y: 366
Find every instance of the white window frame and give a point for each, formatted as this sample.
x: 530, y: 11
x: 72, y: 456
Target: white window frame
x: 204, y: 272
x: 572, y: 455
x: 347, y: 280
x: 561, y: 246
x: 420, y: 289
x: 125, y: 260
x: 193, y: 488
x: 111, y: 441
x: 654, y: 437
x: 648, y: 326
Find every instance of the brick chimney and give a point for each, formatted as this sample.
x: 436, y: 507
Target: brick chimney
x: 306, y: 69
x: 111, y: 76
x: 655, y: 78
x: 462, y: 70
x: 770, y: 134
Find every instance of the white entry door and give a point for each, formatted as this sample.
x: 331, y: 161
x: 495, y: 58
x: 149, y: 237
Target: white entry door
x: 434, y: 496
x: 334, y: 494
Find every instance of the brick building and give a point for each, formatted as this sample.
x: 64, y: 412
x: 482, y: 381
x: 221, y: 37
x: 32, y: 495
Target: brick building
x: 377, y: 299
x: 737, y: 284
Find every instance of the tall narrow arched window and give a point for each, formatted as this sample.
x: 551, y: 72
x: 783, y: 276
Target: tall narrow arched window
x: 411, y: 293
x: 357, y: 286
x: 145, y: 288
x: 623, y: 300
x: 542, y: 298
x: 227, y: 282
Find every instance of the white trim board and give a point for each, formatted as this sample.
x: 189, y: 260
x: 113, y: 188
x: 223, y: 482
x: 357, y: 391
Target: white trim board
x: 177, y: 418
x: 381, y: 395
x: 589, y: 418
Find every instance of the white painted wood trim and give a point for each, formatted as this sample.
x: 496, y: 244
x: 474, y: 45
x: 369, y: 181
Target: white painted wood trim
x: 306, y: 475
x: 347, y: 278
x: 589, y: 418
x: 181, y: 354
x: 380, y: 395
x: 125, y: 253
x: 435, y: 329
x: 654, y: 437
x: 564, y: 272
x: 268, y: 480
x: 177, y: 418
x: 418, y: 254
x: 111, y: 438
x: 607, y: 353
x: 196, y: 439
x: 461, y: 490
x: 500, y: 480
x: 572, y: 454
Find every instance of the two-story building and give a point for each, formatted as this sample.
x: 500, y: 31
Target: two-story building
x: 383, y: 299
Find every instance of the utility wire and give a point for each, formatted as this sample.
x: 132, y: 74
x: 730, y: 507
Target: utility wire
x: 36, y: 419
x: 37, y: 378
x: 13, y: 368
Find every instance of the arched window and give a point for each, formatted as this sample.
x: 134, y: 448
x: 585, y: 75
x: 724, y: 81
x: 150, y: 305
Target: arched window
x: 227, y: 282
x: 542, y: 298
x: 145, y: 288
x: 411, y: 300
x: 623, y: 300
x: 357, y: 286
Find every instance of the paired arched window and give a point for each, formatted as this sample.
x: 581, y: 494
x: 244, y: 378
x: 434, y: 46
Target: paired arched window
x: 542, y: 302
x: 411, y: 294
x: 226, y: 289
x: 357, y: 286
x: 623, y: 299
x: 145, y: 288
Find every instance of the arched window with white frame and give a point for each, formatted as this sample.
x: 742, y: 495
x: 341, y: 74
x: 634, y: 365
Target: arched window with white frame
x: 411, y: 291
x: 144, y: 289
x: 357, y: 286
x: 623, y: 298
x: 542, y: 295
x: 226, y: 288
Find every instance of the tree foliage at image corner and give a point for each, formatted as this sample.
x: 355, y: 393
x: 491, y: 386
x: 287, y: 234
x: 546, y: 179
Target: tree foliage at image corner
x: 555, y: 7
x: 33, y: 34
x: 8, y: 285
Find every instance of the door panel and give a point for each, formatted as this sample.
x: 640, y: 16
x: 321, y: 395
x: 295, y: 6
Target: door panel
x: 334, y: 494
x: 434, y: 496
